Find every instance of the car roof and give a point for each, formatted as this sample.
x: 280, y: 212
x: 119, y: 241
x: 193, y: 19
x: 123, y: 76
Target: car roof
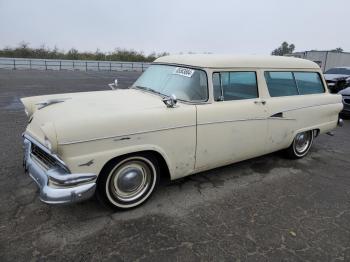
x: 230, y: 61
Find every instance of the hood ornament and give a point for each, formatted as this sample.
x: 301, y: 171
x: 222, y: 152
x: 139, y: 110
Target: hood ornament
x: 46, y: 103
x: 170, y: 101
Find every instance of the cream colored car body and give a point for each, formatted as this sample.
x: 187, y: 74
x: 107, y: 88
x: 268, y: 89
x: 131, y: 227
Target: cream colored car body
x: 88, y: 129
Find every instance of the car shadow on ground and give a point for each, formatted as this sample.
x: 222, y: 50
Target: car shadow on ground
x: 214, y: 178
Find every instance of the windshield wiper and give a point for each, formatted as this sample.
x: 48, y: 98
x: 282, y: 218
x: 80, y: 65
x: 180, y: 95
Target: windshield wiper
x: 149, y: 90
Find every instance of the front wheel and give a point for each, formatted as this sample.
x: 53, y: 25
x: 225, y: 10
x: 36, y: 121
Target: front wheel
x: 129, y: 181
x: 301, y: 145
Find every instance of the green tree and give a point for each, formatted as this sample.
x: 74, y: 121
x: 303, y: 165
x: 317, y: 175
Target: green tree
x: 338, y: 49
x: 24, y: 51
x: 284, y: 49
x: 73, y: 54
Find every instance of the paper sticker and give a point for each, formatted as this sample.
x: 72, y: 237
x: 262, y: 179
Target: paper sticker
x: 183, y: 71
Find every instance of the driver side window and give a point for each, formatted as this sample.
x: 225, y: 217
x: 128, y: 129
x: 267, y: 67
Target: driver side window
x: 235, y: 86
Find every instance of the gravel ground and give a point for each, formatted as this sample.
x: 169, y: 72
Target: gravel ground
x: 265, y: 209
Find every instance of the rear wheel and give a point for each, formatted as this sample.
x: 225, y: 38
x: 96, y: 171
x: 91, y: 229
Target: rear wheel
x: 301, y: 145
x: 129, y: 181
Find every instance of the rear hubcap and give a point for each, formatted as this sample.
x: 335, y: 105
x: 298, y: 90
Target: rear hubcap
x: 302, y: 142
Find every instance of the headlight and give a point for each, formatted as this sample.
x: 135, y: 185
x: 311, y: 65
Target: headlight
x: 48, y: 143
x: 50, y: 138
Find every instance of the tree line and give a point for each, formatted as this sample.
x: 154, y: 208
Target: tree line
x: 23, y: 50
x: 286, y: 48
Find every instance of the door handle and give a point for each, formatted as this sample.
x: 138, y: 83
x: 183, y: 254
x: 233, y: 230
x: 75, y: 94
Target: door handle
x: 263, y: 102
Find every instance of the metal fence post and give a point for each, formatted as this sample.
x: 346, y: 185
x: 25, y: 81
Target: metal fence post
x: 98, y: 66
x: 30, y: 64
x: 73, y: 64
x: 14, y: 64
x: 60, y: 65
x: 45, y: 65
x: 110, y: 66
x: 121, y: 66
x: 132, y: 66
x: 86, y: 66
x: 142, y: 67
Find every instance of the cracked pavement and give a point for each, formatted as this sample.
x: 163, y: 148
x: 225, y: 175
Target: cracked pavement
x: 264, y: 209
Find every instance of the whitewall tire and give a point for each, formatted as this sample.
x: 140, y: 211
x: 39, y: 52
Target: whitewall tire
x: 129, y: 181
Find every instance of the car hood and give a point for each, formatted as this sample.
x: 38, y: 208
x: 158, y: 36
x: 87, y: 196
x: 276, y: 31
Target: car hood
x: 345, y: 92
x: 66, y: 118
x: 335, y: 76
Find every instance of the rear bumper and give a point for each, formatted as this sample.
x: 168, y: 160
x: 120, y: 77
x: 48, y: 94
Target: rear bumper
x: 57, y: 185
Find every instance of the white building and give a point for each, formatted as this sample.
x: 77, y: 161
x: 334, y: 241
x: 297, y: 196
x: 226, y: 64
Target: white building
x: 325, y: 59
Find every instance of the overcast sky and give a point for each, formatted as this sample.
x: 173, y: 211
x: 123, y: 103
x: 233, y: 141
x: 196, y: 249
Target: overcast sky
x: 220, y: 26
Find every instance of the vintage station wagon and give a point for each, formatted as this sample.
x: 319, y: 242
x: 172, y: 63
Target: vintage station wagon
x: 185, y: 114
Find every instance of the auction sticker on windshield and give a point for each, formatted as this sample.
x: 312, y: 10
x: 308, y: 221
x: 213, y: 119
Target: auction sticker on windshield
x: 183, y: 71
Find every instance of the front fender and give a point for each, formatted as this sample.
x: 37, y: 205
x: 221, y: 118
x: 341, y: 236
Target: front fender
x: 94, y: 162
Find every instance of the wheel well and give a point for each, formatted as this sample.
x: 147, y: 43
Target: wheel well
x: 316, y: 132
x: 164, y: 170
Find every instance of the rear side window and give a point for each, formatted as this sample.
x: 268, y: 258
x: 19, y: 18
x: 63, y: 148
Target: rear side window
x: 293, y: 83
x: 281, y: 84
x: 308, y: 83
x: 235, y: 85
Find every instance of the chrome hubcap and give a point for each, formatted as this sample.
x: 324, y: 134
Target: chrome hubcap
x: 302, y: 141
x: 130, y: 180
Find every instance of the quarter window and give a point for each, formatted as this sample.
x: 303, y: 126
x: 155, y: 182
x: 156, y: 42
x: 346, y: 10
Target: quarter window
x: 293, y: 83
x: 308, y: 83
x: 281, y: 84
x: 235, y: 85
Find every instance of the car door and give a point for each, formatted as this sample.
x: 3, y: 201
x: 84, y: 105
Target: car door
x: 234, y: 127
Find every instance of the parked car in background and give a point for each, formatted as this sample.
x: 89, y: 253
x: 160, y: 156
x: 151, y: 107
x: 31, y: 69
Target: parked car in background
x: 185, y: 114
x: 337, y: 78
x: 346, y: 102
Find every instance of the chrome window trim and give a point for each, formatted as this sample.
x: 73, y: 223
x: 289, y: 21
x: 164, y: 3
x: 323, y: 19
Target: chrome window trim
x: 124, y: 135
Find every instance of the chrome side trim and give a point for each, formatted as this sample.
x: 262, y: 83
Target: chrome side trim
x: 49, y: 102
x: 231, y: 120
x: 245, y: 119
x: 303, y: 107
x: 89, y: 163
x: 280, y: 118
x: 123, y: 135
x: 199, y: 124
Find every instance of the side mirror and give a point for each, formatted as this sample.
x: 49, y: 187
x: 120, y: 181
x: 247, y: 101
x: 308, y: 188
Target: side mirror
x: 170, y: 101
x: 114, y: 85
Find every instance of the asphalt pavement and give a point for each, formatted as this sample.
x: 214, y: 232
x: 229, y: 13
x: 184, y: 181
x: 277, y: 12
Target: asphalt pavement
x: 265, y: 209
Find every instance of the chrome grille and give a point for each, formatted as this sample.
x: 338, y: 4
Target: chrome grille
x: 45, y: 159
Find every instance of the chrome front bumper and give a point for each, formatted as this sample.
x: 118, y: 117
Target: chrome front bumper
x: 57, y: 185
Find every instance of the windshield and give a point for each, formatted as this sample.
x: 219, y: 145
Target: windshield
x: 338, y: 71
x: 185, y: 83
